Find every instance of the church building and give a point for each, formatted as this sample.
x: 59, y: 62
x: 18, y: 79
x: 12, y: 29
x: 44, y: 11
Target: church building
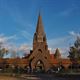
x: 40, y: 55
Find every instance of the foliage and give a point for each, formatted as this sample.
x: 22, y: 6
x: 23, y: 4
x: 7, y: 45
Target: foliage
x: 74, y: 53
x: 3, y: 51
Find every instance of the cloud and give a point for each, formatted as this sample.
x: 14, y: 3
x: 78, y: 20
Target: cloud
x: 59, y: 43
x: 24, y: 47
x: 63, y: 43
x: 5, y: 39
x: 14, y: 50
x: 64, y: 51
x: 26, y: 35
x: 74, y: 34
x: 21, y: 50
x: 56, y: 42
x: 8, y: 43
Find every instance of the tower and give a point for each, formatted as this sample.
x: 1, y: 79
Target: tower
x: 40, y: 56
x: 39, y: 35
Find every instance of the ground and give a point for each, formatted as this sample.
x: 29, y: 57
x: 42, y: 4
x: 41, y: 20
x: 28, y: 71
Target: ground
x: 48, y: 77
x: 39, y: 77
x: 8, y: 78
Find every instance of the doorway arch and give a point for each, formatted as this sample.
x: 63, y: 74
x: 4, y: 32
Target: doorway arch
x: 39, y: 66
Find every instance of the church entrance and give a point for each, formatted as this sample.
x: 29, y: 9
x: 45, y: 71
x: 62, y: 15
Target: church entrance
x: 39, y: 66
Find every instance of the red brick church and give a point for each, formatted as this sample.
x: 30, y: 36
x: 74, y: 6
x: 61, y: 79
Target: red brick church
x: 39, y: 56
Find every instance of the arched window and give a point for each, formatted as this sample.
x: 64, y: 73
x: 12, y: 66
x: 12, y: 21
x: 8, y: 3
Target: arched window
x: 40, y: 50
x: 39, y: 62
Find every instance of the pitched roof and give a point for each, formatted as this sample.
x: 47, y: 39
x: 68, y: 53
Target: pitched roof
x: 57, y: 53
x: 17, y: 60
x: 66, y: 61
x: 62, y: 60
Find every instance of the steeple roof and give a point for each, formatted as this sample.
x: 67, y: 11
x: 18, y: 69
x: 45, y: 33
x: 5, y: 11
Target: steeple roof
x: 57, y: 53
x: 39, y: 28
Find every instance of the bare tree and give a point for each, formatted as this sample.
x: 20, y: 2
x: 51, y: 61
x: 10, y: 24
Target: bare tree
x: 3, y: 51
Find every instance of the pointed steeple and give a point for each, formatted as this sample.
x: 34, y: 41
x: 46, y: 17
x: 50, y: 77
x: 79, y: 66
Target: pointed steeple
x: 57, y: 54
x: 39, y: 28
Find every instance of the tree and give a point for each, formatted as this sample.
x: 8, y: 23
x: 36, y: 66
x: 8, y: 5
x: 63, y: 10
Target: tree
x: 3, y: 51
x: 77, y: 42
x: 74, y: 53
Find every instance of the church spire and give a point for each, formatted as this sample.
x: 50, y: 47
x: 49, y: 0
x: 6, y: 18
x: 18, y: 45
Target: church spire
x: 40, y: 29
x: 39, y: 36
x: 57, y: 54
